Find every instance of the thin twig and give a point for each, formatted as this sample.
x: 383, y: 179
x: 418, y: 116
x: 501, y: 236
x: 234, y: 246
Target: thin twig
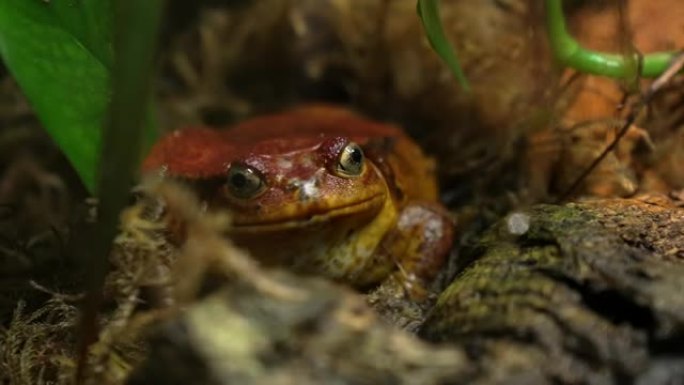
x: 675, y: 66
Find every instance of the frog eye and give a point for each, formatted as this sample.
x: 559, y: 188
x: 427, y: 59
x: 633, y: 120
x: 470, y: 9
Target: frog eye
x: 350, y: 160
x: 244, y: 182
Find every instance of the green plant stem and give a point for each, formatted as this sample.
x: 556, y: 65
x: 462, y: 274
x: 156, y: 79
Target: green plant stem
x: 570, y: 53
x: 136, y: 27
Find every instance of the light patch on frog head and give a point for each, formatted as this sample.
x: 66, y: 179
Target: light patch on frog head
x: 308, y: 188
x: 307, y: 161
x: 284, y: 164
x: 279, y: 178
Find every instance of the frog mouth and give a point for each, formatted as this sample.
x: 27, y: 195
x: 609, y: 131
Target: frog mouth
x: 314, y: 217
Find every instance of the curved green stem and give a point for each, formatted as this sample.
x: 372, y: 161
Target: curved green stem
x: 569, y: 52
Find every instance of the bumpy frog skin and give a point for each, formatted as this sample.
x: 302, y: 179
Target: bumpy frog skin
x: 319, y: 189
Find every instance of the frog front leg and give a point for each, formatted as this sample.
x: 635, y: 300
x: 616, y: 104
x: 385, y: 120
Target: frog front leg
x: 419, y: 244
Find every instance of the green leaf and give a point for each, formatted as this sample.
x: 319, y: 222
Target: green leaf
x: 428, y: 11
x: 60, y: 52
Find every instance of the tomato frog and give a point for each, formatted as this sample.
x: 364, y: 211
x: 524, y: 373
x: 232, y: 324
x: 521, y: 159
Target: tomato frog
x: 319, y: 189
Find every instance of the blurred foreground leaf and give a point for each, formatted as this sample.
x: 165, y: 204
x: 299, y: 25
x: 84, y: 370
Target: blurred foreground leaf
x: 60, y: 52
x: 93, y: 102
x: 428, y: 11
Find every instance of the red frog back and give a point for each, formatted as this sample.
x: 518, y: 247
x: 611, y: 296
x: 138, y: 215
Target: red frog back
x: 198, y: 153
